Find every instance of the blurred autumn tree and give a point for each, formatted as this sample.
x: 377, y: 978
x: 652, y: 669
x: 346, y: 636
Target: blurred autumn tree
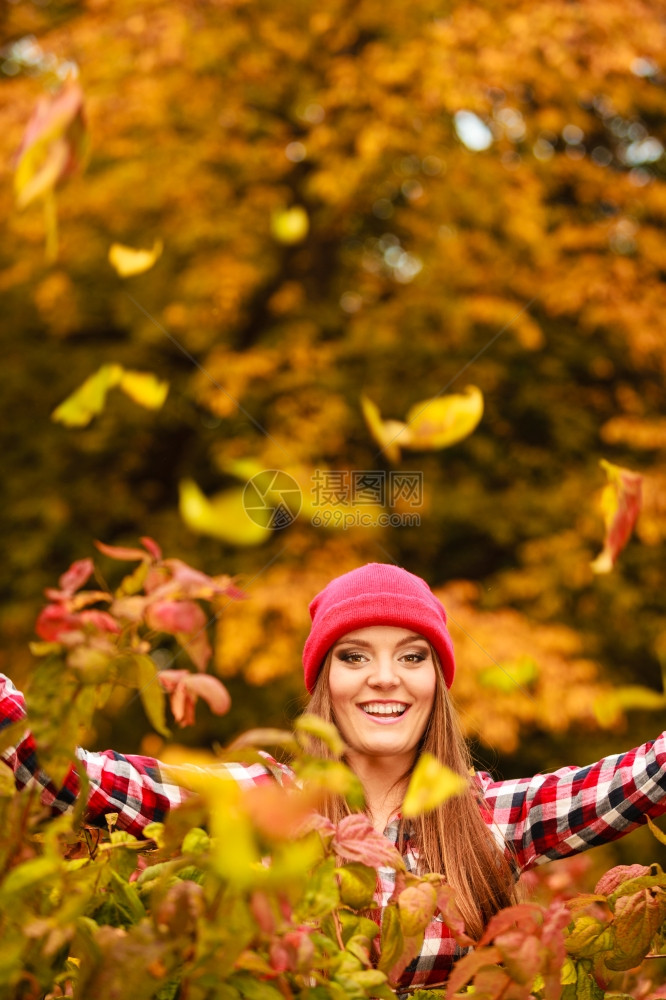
x: 371, y: 197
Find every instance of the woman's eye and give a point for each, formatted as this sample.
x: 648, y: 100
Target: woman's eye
x: 415, y: 657
x: 351, y: 657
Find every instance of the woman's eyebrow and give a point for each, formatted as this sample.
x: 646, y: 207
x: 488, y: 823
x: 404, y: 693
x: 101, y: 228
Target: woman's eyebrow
x: 352, y: 642
x: 362, y: 642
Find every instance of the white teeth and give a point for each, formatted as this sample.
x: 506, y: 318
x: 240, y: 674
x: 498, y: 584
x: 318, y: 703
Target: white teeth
x: 381, y: 708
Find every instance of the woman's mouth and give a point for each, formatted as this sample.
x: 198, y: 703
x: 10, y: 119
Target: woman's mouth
x: 384, y: 711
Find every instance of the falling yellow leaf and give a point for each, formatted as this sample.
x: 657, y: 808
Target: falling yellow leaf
x: 89, y: 399
x: 390, y: 435
x: 431, y: 784
x: 223, y: 517
x: 290, y: 225
x: 127, y: 261
x: 445, y: 420
x: 144, y: 388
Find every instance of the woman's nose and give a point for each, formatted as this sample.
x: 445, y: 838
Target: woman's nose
x: 383, y: 673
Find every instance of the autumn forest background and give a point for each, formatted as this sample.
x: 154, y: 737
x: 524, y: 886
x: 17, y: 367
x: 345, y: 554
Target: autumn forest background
x: 339, y: 203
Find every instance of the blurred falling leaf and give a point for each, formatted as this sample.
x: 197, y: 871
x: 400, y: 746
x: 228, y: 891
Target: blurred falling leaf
x: 445, y: 420
x: 389, y: 434
x: 89, y: 399
x: 610, y: 706
x: 127, y: 261
x: 290, y: 225
x: 54, y: 144
x: 431, y: 784
x: 508, y: 677
x: 620, y: 506
x: 430, y: 425
x: 222, y: 517
x: 144, y: 388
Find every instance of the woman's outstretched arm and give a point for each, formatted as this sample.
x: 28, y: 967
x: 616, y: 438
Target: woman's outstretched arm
x: 137, y: 788
x: 554, y: 815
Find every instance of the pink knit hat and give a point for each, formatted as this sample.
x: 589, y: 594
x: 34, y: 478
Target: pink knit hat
x: 375, y: 594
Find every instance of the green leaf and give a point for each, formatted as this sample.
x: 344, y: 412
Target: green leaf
x: 431, y: 784
x: 321, y: 895
x: 416, y: 905
x: 28, y: 875
x: 357, y: 885
x: 333, y: 777
x: 254, y: 989
x: 587, y: 937
x: 314, y: 726
x: 139, y: 671
x: 656, y: 832
x: 196, y: 841
x: 392, y: 941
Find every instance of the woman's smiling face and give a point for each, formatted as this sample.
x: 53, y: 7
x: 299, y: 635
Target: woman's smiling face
x: 382, y: 683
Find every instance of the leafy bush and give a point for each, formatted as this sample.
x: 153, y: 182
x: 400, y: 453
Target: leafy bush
x: 251, y: 893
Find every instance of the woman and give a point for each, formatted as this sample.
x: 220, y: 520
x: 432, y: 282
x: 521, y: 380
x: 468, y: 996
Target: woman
x: 378, y: 663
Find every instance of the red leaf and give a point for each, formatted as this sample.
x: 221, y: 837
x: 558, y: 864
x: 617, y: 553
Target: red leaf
x: 175, y: 616
x: 522, y: 954
x: 120, y: 552
x: 261, y: 908
x: 76, y: 575
x: 197, y: 648
x: 211, y: 690
x: 53, y: 620
x: 53, y: 144
x: 152, y: 547
x: 468, y: 966
x: 448, y: 908
x: 621, y: 504
x: 637, y: 919
x: 100, y: 619
x: 189, y: 582
x: 610, y: 881
x: 526, y: 917
x: 356, y: 840
x: 185, y: 688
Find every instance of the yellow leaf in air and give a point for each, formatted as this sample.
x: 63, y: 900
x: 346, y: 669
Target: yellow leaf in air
x: 89, y: 399
x: 431, y: 784
x: 290, y: 225
x: 127, y: 261
x: 144, y: 388
x: 223, y: 516
x: 445, y: 420
x: 390, y: 435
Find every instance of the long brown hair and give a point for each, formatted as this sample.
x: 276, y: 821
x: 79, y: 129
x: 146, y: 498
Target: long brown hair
x: 453, y: 839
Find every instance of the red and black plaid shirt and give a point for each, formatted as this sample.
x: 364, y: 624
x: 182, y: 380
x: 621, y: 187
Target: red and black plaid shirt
x: 539, y: 819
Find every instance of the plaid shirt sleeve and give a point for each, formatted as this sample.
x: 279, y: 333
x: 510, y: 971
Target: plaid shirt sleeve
x: 565, y: 812
x: 136, y: 788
